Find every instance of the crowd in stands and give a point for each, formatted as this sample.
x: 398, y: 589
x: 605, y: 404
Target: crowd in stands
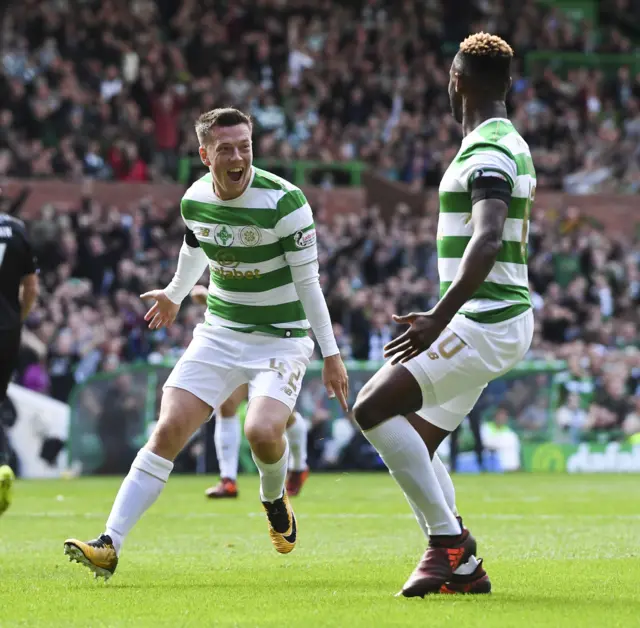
x: 110, y: 89
x: 97, y: 261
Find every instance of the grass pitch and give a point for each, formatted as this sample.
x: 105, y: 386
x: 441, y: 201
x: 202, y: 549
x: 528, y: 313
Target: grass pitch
x: 561, y: 551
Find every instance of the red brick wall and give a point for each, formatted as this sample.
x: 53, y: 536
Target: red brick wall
x: 618, y: 213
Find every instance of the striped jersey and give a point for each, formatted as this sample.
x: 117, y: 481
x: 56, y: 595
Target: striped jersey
x: 251, y: 242
x: 494, y: 148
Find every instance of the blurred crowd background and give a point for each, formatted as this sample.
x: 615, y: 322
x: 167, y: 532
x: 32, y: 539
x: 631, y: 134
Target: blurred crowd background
x: 109, y: 90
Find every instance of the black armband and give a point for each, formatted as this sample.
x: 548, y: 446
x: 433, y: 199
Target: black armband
x: 190, y: 238
x: 487, y: 187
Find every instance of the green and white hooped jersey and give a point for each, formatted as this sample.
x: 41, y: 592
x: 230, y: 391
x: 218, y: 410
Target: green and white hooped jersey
x: 251, y: 242
x: 493, y: 148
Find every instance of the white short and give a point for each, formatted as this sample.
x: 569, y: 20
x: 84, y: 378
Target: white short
x: 218, y: 360
x: 463, y: 360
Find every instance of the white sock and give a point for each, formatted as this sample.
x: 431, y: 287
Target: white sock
x: 446, y: 484
x: 145, y: 481
x: 408, y: 460
x: 297, y: 437
x: 227, y: 439
x: 272, y: 476
x: 422, y: 522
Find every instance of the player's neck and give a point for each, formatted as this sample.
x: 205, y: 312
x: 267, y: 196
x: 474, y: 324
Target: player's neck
x: 474, y: 116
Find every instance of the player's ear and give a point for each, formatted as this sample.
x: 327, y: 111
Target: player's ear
x: 204, y: 157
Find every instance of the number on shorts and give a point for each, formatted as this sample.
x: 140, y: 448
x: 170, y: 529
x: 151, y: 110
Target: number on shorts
x: 279, y: 367
x: 450, y: 345
x: 525, y: 221
x: 294, y: 380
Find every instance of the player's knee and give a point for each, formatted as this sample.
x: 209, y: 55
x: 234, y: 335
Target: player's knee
x: 366, y: 411
x: 261, y: 434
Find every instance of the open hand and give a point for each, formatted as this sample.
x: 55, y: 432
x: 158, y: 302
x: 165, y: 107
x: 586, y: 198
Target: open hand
x: 336, y: 380
x: 423, y: 331
x: 163, y: 312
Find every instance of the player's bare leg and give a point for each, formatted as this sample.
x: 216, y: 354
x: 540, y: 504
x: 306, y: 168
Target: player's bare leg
x: 298, y: 469
x: 392, y: 394
x: 181, y: 414
x: 265, y: 428
x: 228, y: 438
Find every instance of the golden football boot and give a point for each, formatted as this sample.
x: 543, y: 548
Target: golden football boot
x: 6, y: 487
x: 98, y: 555
x: 282, y: 524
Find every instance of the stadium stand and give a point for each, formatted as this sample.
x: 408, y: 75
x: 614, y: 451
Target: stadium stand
x: 110, y: 90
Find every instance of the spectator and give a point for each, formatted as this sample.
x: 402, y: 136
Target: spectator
x: 610, y: 407
x: 498, y: 437
x: 325, y: 90
x: 571, y: 418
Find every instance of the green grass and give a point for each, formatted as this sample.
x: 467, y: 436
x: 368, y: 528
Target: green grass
x: 561, y: 551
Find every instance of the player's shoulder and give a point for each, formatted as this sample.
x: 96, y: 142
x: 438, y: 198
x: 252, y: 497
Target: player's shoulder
x: 278, y: 193
x: 200, y: 190
x: 10, y: 225
x: 494, y: 138
x: 265, y: 180
x: 12, y: 221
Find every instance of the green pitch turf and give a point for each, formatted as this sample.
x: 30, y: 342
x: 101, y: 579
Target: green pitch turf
x: 561, y: 551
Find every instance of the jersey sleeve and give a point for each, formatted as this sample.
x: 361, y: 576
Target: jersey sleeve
x: 486, y: 160
x: 295, y: 229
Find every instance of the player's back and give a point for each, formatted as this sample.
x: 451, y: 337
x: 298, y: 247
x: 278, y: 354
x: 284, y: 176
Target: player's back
x: 16, y: 261
x: 493, y: 149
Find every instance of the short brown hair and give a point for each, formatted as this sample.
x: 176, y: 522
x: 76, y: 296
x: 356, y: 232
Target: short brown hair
x: 223, y: 116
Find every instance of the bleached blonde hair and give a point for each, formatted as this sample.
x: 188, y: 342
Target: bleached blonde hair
x: 486, y: 45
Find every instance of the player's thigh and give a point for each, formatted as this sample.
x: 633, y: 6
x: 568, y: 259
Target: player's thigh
x: 392, y: 391
x: 276, y: 369
x: 210, y: 368
x: 230, y: 406
x: 266, y: 419
x: 181, y: 414
x: 450, y: 368
x: 450, y: 415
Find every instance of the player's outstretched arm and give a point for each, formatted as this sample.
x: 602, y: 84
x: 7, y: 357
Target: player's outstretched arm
x: 191, y: 264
